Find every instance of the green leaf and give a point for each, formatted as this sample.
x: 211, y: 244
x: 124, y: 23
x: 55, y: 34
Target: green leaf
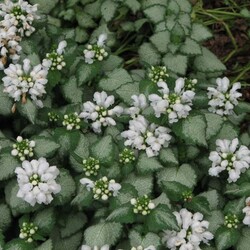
x: 174, y: 190
x: 200, y: 32
x: 103, y: 233
x: 147, y: 87
x: 28, y: 110
x: 142, y: 183
x: 184, y: 5
x: 226, y: 238
x: 115, y: 79
x: 151, y: 239
x: 168, y: 156
x: 108, y: 10
x: 72, y: 242
x: 54, y: 78
x: 68, y: 188
x: 44, y: 6
x: 134, y: 5
x: 45, y: 220
x: 84, y: 20
x: 71, y: 92
x: 208, y: 62
x: 227, y: 131
x: 149, y: 3
x: 212, y: 197
x: 216, y: 219
x: 214, y: 123
x: 18, y: 244
x: 45, y: 146
x: 185, y: 175
x: 199, y: 204
x: 83, y: 198
x: 235, y: 206
x: 127, y: 90
x: 244, y: 241
x: 192, y: 129
x: 111, y: 63
x: 122, y: 214
x: 147, y: 165
x: 176, y: 63
x: 5, y: 221
x: 155, y: 13
x: 239, y: 190
x: 73, y: 223
x: 103, y: 150
x: 68, y: 140
x: 47, y: 245
x: 149, y: 54
x: 5, y: 102
x: 161, y: 40
x: 161, y: 218
x: 8, y: 165
x: 87, y: 72
x: 190, y: 47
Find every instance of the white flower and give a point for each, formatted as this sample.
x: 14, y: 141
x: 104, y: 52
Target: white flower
x: 227, y: 157
x: 36, y: 180
x: 22, y: 80
x: 102, y: 188
x: 85, y: 247
x: 21, y: 14
x: 55, y: 59
x: 139, y: 104
x: 223, y: 98
x: 193, y: 232
x: 96, y: 51
x: 175, y: 105
x: 9, y: 44
x: 144, y: 136
x: 246, y: 210
x: 100, y: 112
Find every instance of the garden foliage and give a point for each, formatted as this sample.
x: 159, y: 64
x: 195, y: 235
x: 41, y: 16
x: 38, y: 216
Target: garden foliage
x: 117, y: 130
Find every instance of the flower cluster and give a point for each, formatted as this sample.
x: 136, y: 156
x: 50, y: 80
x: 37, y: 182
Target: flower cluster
x: 158, y: 74
x: 246, y: 210
x: 142, y: 248
x: 176, y: 105
x: 127, y: 156
x: 56, y: 57
x: 102, y: 188
x: 223, y: 98
x: 231, y: 221
x: 139, y: 104
x: 96, y: 51
x: 85, y: 247
x: 190, y: 84
x: 9, y: 44
x: 36, y: 180
x: 91, y: 166
x: 23, y: 148
x: 20, y: 14
x: 187, y: 196
x: 145, y: 136
x: 193, y: 231
x: 27, y: 231
x: 53, y: 117
x: 22, y: 80
x: 227, y: 157
x: 71, y: 121
x: 100, y: 112
x: 142, y: 205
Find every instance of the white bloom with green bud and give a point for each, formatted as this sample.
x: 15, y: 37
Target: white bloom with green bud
x: 224, y: 97
x: 71, y: 121
x: 142, y: 205
x: 246, y: 211
x: 23, y: 148
x: 228, y: 157
x: 27, y: 231
x: 102, y: 188
x: 91, y: 166
x: 158, y: 74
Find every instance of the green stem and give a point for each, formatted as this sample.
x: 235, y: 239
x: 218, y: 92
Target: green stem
x: 242, y: 73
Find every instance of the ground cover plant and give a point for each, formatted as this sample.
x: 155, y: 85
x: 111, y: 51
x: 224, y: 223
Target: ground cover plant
x: 120, y: 129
